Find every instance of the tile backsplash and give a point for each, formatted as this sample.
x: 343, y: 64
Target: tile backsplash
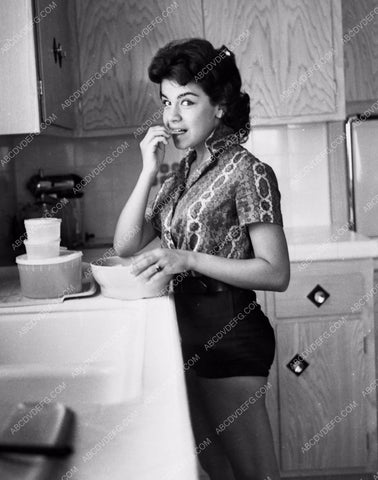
x: 297, y: 154
x: 294, y: 152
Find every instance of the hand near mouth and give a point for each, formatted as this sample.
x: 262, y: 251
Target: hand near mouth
x: 153, y: 148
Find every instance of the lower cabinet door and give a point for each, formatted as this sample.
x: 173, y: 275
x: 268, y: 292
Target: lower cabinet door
x: 323, y: 416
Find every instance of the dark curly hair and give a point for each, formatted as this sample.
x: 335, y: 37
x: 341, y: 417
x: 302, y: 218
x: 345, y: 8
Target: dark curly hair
x: 215, y: 70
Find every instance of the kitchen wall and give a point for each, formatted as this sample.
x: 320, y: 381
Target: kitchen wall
x: 290, y: 150
x: 104, y: 194
x: 297, y: 155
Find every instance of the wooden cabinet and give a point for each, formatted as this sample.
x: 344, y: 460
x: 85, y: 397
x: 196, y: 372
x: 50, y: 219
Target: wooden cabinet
x: 290, y: 58
x: 55, y: 61
x: 33, y: 81
x: 360, y: 24
x: 323, y: 412
x: 284, y: 42
x: 127, y: 34
x: 290, y: 53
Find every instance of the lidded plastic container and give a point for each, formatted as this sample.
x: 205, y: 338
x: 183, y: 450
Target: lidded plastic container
x: 42, y: 230
x: 42, y: 250
x: 50, y: 277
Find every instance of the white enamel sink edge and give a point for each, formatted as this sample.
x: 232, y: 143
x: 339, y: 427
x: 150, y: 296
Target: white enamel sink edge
x: 83, y: 357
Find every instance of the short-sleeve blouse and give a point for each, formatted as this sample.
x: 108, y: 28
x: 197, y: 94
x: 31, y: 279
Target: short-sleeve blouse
x: 210, y: 211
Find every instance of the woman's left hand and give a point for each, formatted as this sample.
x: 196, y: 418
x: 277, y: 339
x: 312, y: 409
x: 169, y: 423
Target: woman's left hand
x: 161, y: 261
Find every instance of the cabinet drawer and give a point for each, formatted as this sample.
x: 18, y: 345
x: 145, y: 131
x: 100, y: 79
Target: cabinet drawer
x: 334, y: 293
x: 376, y: 296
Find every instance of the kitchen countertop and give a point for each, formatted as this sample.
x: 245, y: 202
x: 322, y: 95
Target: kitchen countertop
x: 145, y: 439
x: 306, y: 243
x: 94, y: 302
x: 328, y: 243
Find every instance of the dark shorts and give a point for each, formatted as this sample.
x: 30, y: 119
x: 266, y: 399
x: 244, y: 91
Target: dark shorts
x: 225, y: 334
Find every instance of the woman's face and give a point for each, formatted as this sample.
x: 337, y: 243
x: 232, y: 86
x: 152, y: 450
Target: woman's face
x: 189, y: 113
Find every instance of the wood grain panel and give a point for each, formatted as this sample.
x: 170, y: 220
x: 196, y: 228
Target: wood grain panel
x: 57, y: 80
x: 124, y: 96
x: 334, y: 379
x: 257, y: 55
x: 306, y: 37
x: 361, y: 52
x: 273, y: 393
x: 287, y: 38
x: 343, y: 294
x: 271, y: 401
x: 376, y: 296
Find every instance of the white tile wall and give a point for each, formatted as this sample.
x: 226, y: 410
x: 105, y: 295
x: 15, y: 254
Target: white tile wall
x: 105, y: 193
x: 292, y: 152
x: 297, y: 155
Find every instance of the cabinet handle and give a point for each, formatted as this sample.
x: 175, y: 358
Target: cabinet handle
x: 58, y: 52
x: 318, y: 296
x: 297, y: 365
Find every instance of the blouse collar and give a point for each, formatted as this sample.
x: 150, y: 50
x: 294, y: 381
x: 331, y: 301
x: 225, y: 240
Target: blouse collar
x: 221, y: 138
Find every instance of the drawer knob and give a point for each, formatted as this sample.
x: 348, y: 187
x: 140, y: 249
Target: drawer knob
x: 318, y: 296
x: 297, y: 365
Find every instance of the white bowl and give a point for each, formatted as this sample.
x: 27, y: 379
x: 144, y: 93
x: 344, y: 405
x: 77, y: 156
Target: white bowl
x: 41, y: 230
x: 42, y: 250
x: 116, y: 280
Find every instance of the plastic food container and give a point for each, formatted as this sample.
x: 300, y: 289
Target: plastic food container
x: 42, y: 250
x: 50, y: 277
x: 116, y: 280
x: 41, y: 230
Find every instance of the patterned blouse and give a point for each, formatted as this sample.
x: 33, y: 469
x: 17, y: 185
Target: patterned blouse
x: 210, y: 213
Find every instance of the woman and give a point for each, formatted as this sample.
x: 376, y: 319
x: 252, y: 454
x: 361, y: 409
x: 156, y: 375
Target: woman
x: 219, y: 220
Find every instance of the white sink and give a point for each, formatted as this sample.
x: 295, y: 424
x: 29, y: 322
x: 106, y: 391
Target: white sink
x: 75, y: 357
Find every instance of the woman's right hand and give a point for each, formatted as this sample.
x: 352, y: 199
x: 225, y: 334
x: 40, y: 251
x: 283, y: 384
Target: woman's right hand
x: 153, y: 148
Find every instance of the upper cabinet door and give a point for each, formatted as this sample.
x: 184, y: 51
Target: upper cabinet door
x: 360, y: 21
x: 117, y: 41
x: 290, y: 55
x: 29, y: 68
x: 55, y: 60
x: 250, y: 28
x: 19, y: 109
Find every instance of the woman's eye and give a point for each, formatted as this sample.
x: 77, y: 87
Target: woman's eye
x: 165, y: 102
x: 187, y: 103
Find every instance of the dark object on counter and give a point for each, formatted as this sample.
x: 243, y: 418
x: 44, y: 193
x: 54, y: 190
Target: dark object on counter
x: 39, y: 429
x: 58, y: 196
x: 64, y: 186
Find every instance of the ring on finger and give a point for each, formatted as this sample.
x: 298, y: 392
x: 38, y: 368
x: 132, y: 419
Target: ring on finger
x: 158, y: 268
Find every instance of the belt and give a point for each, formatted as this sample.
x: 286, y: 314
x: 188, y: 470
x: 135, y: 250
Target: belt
x: 200, y: 284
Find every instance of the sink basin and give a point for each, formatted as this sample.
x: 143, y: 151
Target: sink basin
x: 74, y: 357
x: 99, y: 384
